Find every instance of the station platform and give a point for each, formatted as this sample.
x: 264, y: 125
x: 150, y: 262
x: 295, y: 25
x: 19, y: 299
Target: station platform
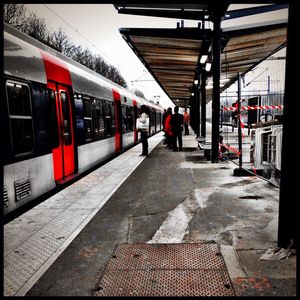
x: 139, y: 221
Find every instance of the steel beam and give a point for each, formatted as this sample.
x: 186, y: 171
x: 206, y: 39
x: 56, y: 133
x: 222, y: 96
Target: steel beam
x: 203, y: 103
x: 197, y: 110
x: 239, y: 122
x: 238, y: 13
x: 177, y: 14
x: 216, y: 69
x: 289, y: 182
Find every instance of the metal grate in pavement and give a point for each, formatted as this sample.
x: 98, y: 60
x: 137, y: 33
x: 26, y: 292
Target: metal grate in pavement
x: 165, y: 270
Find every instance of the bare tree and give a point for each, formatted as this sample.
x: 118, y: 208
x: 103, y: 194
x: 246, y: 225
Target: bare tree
x: 114, y: 75
x: 84, y: 57
x: 101, y: 66
x: 76, y: 54
x: 36, y: 27
x: 139, y: 93
x: 15, y: 15
x: 61, y: 42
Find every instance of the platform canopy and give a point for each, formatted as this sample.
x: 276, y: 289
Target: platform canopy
x: 172, y: 55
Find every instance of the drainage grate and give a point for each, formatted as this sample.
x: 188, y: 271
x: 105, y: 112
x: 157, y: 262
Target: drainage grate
x: 22, y: 188
x: 5, y: 196
x: 165, y: 270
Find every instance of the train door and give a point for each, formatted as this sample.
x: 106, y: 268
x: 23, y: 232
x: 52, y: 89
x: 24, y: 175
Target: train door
x: 118, y: 120
x: 63, y: 149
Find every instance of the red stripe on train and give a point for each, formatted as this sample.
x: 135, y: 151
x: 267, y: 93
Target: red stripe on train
x: 59, y: 80
x: 117, y: 108
x: 56, y: 69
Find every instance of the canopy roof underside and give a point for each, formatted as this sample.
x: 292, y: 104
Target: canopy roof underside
x: 172, y: 55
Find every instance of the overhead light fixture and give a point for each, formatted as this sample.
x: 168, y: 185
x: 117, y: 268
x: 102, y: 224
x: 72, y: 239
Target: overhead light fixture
x: 196, y: 81
x: 203, y: 59
x: 210, y: 86
x: 192, y: 94
x: 224, y: 79
x: 207, y: 67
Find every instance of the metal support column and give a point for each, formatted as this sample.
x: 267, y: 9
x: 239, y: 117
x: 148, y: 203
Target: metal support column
x: 192, y: 113
x: 239, y: 121
x: 240, y: 171
x: 289, y: 191
x: 197, y: 110
x: 203, y: 103
x: 216, y: 67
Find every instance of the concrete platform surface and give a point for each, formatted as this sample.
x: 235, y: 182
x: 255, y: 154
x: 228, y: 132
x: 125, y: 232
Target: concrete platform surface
x: 179, y: 197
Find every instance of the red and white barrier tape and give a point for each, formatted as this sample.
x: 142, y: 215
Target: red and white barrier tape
x: 254, y: 169
x: 230, y: 148
x: 256, y: 107
x: 242, y: 125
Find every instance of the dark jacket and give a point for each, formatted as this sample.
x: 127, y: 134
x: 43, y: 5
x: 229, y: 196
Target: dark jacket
x: 176, y: 122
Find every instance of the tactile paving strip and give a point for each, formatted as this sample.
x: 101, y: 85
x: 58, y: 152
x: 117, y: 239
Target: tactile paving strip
x: 21, y: 264
x: 29, y: 260
x: 165, y: 270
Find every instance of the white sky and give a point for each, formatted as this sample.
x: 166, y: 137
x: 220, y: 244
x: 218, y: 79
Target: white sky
x: 100, y: 23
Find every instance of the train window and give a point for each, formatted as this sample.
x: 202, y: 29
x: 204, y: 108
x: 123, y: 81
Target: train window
x: 87, y: 108
x: 98, y: 119
x: 66, y: 122
x: 20, y: 117
x: 113, y: 122
x: 79, y: 117
x: 128, y: 119
x: 152, y: 118
x: 19, y: 99
x: 135, y: 114
x: 123, y: 118
x: 53, y: 119
x: 158, y: 121
x: 109, y: 119
x: 131, y: 117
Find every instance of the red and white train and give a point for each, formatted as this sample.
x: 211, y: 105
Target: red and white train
x: 58, y: 119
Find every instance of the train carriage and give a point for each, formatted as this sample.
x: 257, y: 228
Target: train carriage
x: 59, y: 119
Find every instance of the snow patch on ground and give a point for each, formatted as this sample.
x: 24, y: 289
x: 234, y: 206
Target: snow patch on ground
x: 176, y: 224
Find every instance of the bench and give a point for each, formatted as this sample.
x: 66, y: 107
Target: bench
x: 203, y: 145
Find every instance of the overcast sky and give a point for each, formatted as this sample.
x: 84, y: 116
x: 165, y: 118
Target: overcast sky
x: 98, y: 26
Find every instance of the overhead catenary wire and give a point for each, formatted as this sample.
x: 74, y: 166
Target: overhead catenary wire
x: 84, y: 37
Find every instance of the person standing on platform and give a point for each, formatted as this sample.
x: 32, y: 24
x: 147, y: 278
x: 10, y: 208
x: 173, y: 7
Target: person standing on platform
x: 168, y: 128
x: 144, y: 119
x: 164, y: 119
x: 177, y: 126
x: 186, y: 121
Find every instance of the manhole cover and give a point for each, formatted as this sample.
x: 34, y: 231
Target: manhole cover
x: 165, y: 270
